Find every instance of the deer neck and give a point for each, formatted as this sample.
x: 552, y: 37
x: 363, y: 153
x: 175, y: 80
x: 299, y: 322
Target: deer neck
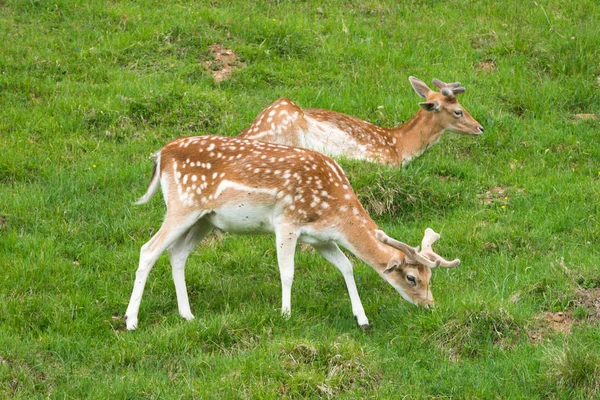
x: 360, y: 239
x: 416, y: 135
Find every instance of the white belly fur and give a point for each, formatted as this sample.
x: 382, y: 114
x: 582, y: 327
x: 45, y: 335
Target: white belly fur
x: 253, y: 220
x: 244, y: 218
x: 248, y: 210
x: 329, y: 139
x: 256, y: 211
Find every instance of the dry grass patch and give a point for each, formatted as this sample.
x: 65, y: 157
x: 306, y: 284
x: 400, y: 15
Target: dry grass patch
x: 484, y: 41
x: 587, y: 305
x: 216, y: 237
x: 466, y: 337
x: 494, y: 194
x: 317, y: 370
x: 575, y: 369
x: 229, y: 340
x: 585, y: 117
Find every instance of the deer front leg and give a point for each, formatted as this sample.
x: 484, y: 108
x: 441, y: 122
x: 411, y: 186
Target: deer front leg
x: 332, y: 253
x: 286, y: 239
x: 169, y: 232
x: 178, y: 254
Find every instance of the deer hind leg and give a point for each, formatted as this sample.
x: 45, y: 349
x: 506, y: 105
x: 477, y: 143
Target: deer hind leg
x: 332, y: 253
x: 178, y: 254
x: 286, y: 238
x: 171, y: 230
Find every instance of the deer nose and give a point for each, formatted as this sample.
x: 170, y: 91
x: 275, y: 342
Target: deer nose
x: 481, y: 129
x: 428, y: 303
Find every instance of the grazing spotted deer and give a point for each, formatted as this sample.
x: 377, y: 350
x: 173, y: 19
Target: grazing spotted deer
x: 246, y: 186
x: 340, y: 135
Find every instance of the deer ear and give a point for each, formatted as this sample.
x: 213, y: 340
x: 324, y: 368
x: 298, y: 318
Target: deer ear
x: 394, y: 263
x: 430, y: 106
x: 420, y: 87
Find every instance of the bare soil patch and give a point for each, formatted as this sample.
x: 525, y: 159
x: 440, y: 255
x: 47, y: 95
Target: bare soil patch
x: 224, y: 61
x: 549, y: 323
x: 584, y: 309
x: 487, y: 66
x: 498, y: 194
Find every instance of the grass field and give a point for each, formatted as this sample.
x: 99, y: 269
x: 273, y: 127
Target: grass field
x: 88, y: 89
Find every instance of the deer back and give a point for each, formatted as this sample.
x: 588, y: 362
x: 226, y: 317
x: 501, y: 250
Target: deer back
x: 208, y: 172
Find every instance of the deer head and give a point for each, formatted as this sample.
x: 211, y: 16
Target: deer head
x: 411, y: 275
x: 450, y: 114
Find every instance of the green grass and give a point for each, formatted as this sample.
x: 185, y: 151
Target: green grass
x: 89, y: 89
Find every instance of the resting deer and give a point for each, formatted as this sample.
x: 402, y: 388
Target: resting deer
x: 337, y: 134
x: 246, y: 186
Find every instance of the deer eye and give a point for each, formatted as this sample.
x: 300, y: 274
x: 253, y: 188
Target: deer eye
x: 411, y: 280
x: 458, y: 113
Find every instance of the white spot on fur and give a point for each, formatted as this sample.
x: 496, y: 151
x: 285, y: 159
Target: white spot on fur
x: 225, y: 184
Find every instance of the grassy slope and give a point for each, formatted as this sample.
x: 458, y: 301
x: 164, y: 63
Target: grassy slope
x: 88, y: 90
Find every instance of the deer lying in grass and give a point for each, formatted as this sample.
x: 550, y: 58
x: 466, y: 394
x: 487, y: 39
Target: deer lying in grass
x: 337, y: 134
x: 246, y: 186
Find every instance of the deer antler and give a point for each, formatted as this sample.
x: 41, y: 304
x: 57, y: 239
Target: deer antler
x: 448, y: 89
x: 426, y: 256
x: 429, y: 239
x: 412, y: 253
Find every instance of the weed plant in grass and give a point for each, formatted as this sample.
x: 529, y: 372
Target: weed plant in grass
x: 89, y: 89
